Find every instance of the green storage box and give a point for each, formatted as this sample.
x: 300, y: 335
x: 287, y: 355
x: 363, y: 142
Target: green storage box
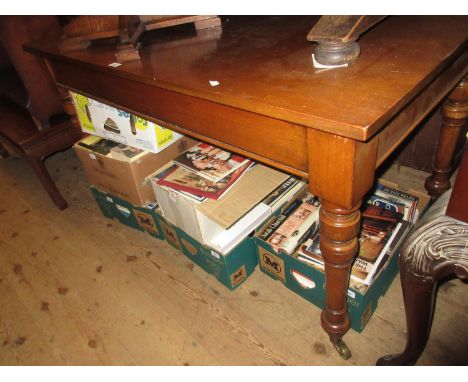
x: 140, y: 218
x: 230, y: 269
x: 308, y: 282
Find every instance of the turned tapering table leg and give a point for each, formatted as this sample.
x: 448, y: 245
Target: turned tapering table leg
x: 341, y: 171
x: 339, y: 228
x: 454, y: 114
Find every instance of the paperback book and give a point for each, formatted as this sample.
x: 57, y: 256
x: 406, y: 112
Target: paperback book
x: 381, y: 234
x: 290, y: 232
x: 270, y: 230
x: 210, y: 162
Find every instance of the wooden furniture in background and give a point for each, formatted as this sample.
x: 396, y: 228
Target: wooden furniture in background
x: 81, y: 31
x: 333, y: 127
x: 454, y: 114
x: 436, y: 249
x: 32, y: 122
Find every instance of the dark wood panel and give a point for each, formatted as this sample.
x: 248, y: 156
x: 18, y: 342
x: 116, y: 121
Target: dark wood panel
x: 284, y: 144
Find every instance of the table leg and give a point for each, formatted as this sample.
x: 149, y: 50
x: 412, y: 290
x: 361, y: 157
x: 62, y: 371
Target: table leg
x: 454, y: 114
x: 341, y: 171
x: 339, y: 228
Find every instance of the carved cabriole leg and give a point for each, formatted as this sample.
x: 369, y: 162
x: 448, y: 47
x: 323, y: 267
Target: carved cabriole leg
x: 341, y: 171
x: 454, y: 114
x: 433, y: 251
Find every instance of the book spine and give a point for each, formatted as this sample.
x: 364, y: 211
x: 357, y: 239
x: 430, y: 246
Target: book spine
x: 292, y: 242
x: 265, y: 235
x: 390, y: 198
x: 397, y: 193
x: 288, y: 196
x: 280, y: 191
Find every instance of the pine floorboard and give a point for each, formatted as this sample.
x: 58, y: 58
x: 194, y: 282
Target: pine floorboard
x: 79, y: 289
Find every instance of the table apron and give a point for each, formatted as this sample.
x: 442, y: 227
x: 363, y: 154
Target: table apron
x: 415, y: 111
x: 272, y: 141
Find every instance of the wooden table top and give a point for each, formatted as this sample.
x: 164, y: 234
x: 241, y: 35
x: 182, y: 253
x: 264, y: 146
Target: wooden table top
x: 264, y: 65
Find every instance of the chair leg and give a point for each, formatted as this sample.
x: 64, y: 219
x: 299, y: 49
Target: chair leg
x: 419, y: 302
x: 434, y: 250
x: 43, y: 175
x: 3, y: 151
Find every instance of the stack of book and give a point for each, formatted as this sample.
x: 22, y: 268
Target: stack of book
x: 204, y: 171
x: 290, y: 228
x: 386, y: 218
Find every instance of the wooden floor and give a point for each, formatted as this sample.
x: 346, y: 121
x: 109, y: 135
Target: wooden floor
x: 79, y: 289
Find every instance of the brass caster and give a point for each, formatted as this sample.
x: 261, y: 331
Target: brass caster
x: 342, y: 349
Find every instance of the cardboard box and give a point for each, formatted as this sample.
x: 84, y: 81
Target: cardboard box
x: 140, y: 218
x: 206, y: 220
x: 308, y: 281
x: 231, y: 269
x: 124, y: 176
x: 108, y: 122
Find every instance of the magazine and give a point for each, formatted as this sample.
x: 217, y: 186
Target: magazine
x: 179, y: 178
x: 210, y: 162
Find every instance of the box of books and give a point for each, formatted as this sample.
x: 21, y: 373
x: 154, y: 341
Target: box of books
x: 217, y: 210
x: 108, y: 122
x: 287, y: 254
x: 231, y: 268
x: 123, y: 170
x: 140, y: 218
x: 235, y: 257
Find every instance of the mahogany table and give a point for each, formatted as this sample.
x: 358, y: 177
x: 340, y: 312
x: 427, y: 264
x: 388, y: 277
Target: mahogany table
x: 334, y: 127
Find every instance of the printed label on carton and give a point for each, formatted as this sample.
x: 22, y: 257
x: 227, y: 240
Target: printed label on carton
x: 170, y: 235
x: 272, y: 263
x: 238, y: 276
x: 145, y: 221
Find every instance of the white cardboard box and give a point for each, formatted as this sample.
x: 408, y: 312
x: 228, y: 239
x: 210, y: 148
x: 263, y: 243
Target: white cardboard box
x: 204, y: 221
x: 117, y: 125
